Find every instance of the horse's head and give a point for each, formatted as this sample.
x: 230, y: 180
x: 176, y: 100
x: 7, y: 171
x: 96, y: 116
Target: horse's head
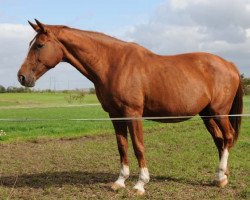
x: 45, y: 53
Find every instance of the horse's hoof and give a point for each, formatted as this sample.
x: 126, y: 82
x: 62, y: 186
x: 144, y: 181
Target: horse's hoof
x: 222, y: 183
x: 139, y: 192
x: 117, y: 186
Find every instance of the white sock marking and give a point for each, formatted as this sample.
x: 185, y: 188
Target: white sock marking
x: 124, y: 174
x: 143, y: 179
x: 223, y: 166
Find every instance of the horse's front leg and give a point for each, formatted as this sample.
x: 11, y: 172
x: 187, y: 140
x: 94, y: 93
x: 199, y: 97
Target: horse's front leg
x: 122, y: 142
x: 135, y: 129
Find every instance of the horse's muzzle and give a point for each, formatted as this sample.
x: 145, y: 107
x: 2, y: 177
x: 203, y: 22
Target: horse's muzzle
x: 21, y: 79
x: 27, y: 82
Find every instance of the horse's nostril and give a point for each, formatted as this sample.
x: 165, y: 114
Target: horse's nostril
x: 21, y: 78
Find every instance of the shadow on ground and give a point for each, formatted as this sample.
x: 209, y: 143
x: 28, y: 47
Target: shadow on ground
x: 46, y: 179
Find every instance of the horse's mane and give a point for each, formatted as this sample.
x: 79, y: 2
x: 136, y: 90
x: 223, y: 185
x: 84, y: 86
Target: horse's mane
x: 95, y: 35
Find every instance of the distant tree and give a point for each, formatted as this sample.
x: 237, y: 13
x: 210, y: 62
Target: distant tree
x: 246, y: 84
x: 9, y: 89
x: 2, y: 89
x: 92, y: 91
x: 12, y: 89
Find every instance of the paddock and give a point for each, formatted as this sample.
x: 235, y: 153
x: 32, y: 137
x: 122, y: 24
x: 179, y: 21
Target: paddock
x: 39, y: 162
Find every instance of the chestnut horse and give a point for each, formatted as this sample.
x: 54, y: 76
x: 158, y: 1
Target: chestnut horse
x: 132, y: 82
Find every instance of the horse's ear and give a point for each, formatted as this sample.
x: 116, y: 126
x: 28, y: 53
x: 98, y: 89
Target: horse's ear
x: 34, y: 26
x: 41, y: 26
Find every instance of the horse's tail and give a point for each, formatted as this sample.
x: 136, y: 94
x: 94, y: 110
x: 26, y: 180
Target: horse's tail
x: 236, y: 109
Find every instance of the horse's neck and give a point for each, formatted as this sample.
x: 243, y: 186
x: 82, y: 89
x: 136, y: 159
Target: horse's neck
x: 86, y: 55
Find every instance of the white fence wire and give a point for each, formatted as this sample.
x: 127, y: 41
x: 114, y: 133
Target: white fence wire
x: 125, y: 118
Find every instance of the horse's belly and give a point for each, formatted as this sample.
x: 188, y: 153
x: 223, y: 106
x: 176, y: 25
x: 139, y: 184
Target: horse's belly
x: 166, y: 116
x: 174, y: 111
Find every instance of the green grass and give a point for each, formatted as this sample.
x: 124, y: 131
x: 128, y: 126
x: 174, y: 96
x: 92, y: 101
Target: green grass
x: 78, y: 160
x: 17, y: 100
x: 47, y: 106
x: 56, y: 112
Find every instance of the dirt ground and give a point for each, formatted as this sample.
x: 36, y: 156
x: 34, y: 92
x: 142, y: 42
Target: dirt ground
x: 84, y: 168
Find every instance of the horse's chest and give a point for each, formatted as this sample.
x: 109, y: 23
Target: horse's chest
x: 107, y: 100
x: 114, y: 101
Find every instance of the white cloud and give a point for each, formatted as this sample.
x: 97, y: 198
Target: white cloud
x: 248, y: 33
x: 178, y: 4
x: 14, y: 40
x: 220, y: 27
x: 248, y: 7
x: 15, y: 31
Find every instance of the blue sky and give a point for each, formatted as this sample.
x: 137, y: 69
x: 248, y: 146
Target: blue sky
x: 163, y: 26
x: 87, y: 14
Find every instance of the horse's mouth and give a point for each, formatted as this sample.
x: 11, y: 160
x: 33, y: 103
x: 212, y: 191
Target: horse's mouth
x: 30, y: 84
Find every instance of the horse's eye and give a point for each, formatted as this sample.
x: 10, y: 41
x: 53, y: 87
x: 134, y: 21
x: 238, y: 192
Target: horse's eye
x: 39, y: 46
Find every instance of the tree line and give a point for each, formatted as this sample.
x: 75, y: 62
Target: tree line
x: 12, y: 89
x: 246, y: 84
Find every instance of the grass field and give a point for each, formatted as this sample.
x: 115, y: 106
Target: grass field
x: 56, y: 112
x: 62, y: 159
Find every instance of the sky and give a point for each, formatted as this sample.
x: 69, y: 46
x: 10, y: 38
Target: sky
x: 163, y: 26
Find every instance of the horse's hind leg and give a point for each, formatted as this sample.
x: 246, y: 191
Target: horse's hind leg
x: 221, y: 141
x: 216, y: 134
x: 228, y: 136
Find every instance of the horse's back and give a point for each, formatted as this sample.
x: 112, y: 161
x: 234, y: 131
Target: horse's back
x: 185, y: 84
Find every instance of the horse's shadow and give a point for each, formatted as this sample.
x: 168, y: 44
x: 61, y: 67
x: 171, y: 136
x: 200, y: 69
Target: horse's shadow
x: 47, y: 179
